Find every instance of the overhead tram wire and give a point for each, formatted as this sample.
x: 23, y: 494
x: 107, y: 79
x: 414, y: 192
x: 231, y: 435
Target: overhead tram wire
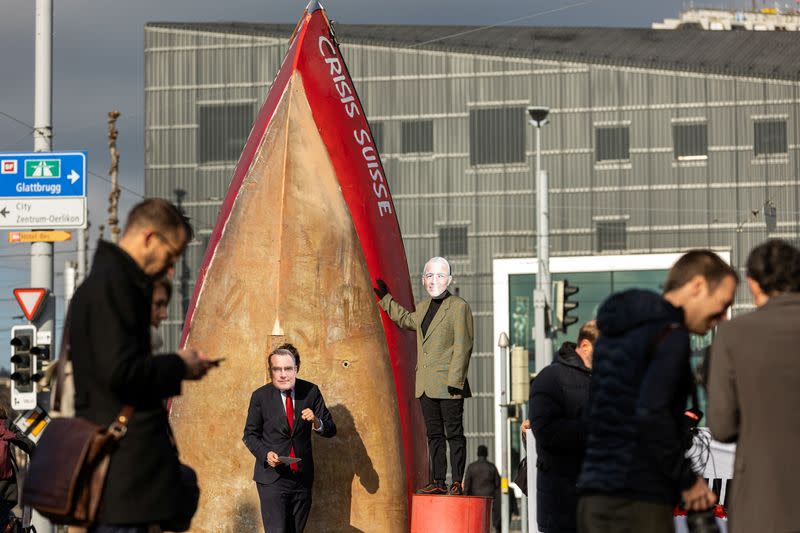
x: 503, y: 23
x: 18, y: 121
x: 94, y: 174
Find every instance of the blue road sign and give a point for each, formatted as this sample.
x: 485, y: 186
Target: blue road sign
x: 43, y: 175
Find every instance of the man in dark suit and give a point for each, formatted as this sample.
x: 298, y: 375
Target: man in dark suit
x: 752, y: 393
x: 113, y: 366
x: 280, y: 419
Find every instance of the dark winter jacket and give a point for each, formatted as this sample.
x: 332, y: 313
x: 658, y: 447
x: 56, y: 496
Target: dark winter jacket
x: 558, y: 398
x: 113, y: 366
x: 640, y: 385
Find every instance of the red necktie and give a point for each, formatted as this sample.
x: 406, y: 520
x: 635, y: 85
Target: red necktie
x: 290, y: 416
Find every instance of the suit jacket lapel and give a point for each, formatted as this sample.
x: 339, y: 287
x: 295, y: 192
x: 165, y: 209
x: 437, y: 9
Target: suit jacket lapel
x: 440, y: 314
x: 422, y: 310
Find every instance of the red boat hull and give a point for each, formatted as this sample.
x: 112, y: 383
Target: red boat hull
x: 306, y: 227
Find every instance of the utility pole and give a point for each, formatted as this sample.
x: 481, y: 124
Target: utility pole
x: 113, y: 197
x: 544, y: 346
x: 42, y: 252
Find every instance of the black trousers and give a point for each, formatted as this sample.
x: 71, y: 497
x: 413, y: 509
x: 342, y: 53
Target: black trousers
x: 444, y: 422
x: 285, y: 505
x: 602, y: 513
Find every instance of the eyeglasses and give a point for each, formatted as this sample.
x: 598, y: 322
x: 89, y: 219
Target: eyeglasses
x: 283, y: 369
x: 438, y: 275
x: 174, y: 253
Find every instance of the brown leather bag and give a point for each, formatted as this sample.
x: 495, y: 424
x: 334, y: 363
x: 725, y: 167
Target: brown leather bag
x: 67, y: 470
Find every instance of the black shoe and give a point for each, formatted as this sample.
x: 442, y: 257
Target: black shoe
x: 433, y: 488
x: 456, y: 489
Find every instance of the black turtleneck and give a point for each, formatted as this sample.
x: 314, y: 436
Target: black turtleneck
x: 436, y: 303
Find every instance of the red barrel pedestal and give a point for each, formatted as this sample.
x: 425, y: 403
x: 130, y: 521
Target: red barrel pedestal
x: 446, y: 514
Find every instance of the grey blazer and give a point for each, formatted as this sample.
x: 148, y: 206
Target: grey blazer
x: 443, y: 354
x: 754, y: 400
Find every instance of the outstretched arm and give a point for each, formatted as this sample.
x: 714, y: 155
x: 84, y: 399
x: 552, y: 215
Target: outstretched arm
x: 400, y: 315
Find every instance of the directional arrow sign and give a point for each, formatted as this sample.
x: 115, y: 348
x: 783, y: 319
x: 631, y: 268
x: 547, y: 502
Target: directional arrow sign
x: 30, y: 301
x: 43, y: 190
x: 39, y: 236
x: 45, y: 213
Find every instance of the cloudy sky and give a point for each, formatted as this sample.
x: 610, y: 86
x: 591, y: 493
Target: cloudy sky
x: 98, y: 66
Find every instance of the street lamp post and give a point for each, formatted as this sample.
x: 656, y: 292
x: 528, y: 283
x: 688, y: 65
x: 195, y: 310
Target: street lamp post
x: 503, y: 344
x: 544, y: 348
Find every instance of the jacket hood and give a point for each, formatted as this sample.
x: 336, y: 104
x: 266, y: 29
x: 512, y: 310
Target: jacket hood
x: 568, y: 356
x: 630, y: 309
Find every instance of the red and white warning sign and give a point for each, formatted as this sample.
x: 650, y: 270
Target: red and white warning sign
x: 30, y: 301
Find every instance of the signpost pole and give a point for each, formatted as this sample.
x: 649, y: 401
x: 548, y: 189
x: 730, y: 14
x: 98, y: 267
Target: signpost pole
x: 42, y: 252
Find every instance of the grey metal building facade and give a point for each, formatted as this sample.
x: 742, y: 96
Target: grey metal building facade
x: 658, y: 142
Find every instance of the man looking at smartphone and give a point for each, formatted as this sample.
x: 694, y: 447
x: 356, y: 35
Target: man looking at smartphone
x: 113, y: 365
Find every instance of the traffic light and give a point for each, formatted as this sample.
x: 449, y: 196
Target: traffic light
x: 563, y: 291
x: 23, y: 366
x: 40, y: 361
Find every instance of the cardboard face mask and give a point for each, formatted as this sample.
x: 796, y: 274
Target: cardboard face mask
x: 436, y: 277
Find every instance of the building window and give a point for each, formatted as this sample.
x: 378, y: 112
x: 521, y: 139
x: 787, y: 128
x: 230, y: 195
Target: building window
x: 690, y: 141
x: 223, y: 131
x: 769, y: 137
x: 611, y: 235
x: 612, y: 143
x: 452, y: 241
x: 416, y: 136
x: 497, y: 135
x: 377, y: 135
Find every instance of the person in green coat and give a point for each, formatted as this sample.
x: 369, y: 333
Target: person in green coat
x: 443, y: 323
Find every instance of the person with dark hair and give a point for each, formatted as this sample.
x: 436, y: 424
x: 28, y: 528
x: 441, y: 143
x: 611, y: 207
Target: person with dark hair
x: 9, y: 488
x: 294, y: 351
x: 753, y: 393
x: 162, y: 292
x: 445, y: 333
x: 280, y: 420
x: 161, y: 216
x: 558, y: 398
x: 635, y: 467
x: 113, y: 365
x: 483, y: 479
